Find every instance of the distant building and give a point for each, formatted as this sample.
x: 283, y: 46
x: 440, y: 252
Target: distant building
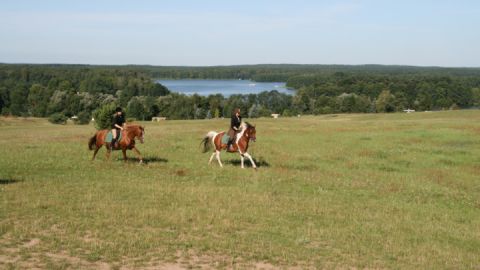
x: 158, y: 119
x: 409, y: 111
x: 275, y: 115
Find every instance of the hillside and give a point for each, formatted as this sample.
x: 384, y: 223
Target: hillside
x: 333, y: 191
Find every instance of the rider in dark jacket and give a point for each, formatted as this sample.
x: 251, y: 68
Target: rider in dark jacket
x: 235, y: 122
x: 118, y: 123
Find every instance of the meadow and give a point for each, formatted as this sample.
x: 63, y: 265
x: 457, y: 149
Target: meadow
x: 379, y: 191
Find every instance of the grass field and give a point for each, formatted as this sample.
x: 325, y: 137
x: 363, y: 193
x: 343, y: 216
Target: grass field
x: 335, y: 191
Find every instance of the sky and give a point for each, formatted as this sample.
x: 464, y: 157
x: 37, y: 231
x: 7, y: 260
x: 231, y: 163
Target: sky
x: 221, y: 32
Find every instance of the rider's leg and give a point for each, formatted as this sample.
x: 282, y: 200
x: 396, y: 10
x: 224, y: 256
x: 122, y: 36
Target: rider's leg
x: 229, y: 143
x: 114, y: 137
x: 231, y: 134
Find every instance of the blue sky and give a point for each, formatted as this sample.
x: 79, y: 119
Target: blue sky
x: 208, y: 32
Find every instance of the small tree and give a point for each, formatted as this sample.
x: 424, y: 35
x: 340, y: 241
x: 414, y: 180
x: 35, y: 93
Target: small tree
x: 58, y: 118
x: 209, y: 115
x: 83, y: 118
x: 287, y: 113
x: 454, y: 106
x: 254, y: 111
x: 385, y: 102
x: 136, y: 108
x: 103, y: 116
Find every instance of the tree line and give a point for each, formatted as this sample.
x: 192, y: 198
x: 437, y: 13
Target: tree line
x: 370, y: 92
x: 68, y: 90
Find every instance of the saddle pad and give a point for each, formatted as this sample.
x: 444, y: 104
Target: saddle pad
x: 225, y: 138
x: 110, y: 137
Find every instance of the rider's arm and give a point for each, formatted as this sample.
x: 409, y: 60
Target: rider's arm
x: 119, y: 126
x: 232, y: 123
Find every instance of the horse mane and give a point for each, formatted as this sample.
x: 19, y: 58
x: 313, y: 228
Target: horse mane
x: 249, y: 125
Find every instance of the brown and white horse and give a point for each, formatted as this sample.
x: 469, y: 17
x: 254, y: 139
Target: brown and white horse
x: 240, y: 145
x: 127, y: 142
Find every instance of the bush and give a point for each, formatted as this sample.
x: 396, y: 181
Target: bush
x: 454, y: 107
x: 287, y: 113
x: 6, y: 111
x: 103, y: 116
x: 58, y: 118
x: 83, y: 118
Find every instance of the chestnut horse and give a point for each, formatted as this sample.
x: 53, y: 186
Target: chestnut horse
x: 127, y: 141
x: 240, y: 145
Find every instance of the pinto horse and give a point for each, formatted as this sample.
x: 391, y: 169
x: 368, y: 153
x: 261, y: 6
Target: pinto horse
x: 127, y: 142
x: 240, y: 145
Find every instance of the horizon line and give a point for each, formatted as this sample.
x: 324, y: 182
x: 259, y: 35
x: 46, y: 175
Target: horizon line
x: 236, y: 65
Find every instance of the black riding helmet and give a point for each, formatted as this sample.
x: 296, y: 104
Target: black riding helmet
x: 118, y: 109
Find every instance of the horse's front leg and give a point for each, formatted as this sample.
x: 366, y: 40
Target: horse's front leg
x: 109, y: 150
x: 251, y: 160
x: 242, y: 159
x: 140, y: 158
x: 124, y: 152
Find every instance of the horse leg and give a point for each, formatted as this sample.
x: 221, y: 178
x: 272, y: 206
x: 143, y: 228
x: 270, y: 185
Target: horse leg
x: 140, y: 158
x: 211, y: 158
x: 251, y: 160
x: 242, y: 160
x: 109, y: 150
x: 124, y: 152
x: 96, y: 151
x: 218, y: 158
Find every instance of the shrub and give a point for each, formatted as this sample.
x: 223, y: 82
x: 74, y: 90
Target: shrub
x: 58, y: 118
x: 287, y: 113
x: 83, y: 118
x: 103, y: 116
x: 454, y: 107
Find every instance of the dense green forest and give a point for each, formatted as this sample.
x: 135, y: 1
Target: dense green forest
x: 45, y: 90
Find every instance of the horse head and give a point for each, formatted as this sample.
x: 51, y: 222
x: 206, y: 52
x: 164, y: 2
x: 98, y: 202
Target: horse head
x: 142, y: 134
x: 135, y: 131
x: 250, y: 131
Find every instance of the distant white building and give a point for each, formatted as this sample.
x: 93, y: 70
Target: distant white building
x: 158, y: 119
x: 409, y: 111
x: 275, y: 115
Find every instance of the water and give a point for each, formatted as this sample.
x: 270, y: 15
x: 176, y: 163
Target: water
x: 224, y: 87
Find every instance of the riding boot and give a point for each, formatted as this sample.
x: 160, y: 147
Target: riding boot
x: 114, y: 141
x: 229, y: 145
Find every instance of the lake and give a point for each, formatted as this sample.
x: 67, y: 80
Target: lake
x: 224, y: 87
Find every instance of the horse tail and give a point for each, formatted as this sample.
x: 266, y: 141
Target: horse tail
x: 206, y: 140
x: 92, y: 142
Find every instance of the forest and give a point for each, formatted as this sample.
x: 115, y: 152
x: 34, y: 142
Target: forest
x: 80, y: 90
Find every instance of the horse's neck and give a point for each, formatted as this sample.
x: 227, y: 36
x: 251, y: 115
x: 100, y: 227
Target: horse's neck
x: 130, y: 133
x: 243, y: 136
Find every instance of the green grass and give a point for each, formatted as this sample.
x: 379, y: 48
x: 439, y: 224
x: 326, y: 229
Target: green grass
x: 334, y: 191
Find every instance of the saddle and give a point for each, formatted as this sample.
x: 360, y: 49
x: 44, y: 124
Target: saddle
x: 109, y: 137
x: 225, y: 138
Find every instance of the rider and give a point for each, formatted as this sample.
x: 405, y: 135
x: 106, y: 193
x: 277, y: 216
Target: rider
x: 235, y: 122
x: 118, y: 123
